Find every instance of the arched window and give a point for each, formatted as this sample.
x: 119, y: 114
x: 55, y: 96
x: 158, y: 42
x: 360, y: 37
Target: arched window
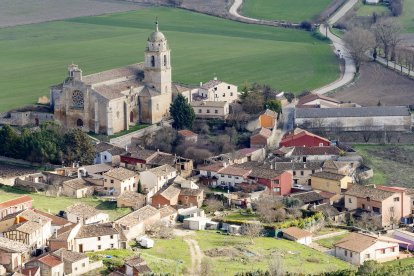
x: 152, y: 61
x: 165, y: 60
x: 79, y: 123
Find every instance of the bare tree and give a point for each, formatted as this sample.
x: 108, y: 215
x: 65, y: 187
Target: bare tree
x: 213, y: 205
x: 266, y: 208
x: 198, y: 155
x: 253, y: 103
x: 367, y: 129
x: 252, y: 230
x: 280, y: 215
x: 388, y: 36
x: 276, y: 266
x: 369, y: 221
x: 160, y: 231
x: 358, y: 41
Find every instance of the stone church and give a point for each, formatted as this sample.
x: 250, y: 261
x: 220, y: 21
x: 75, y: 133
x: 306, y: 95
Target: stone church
x: 113, y: 100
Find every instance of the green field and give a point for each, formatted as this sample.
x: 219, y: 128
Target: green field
x: 297, y: 258
x: 368, y: 10
x: 33, y: 57
x: 392, y: 164
x: 407, y: 18
x: 55, y: 204
x: 285, y: 10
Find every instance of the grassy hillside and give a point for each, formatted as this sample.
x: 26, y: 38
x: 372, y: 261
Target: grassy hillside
x: 35, y: 56
x: 407, y: 18
x: 288, y: 10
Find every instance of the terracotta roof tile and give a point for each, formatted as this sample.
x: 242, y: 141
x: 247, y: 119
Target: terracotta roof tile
x: 15, y: 201
x: 361, y: 191
x: 296, y: 233
x: 186, y: 133
x: 120, y: 173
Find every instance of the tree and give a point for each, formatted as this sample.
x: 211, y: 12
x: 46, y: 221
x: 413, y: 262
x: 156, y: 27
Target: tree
x: 252, y: 230
x: 198, y: 155
x: 289, y: 96
x: 274, y: 105
x: 166, y: 139
x: 139, y: 187
x: 368, y: 268
x: 266, y: 208
x: 358, y: 41
x: 182, y: 112
x: 253, y: 103
x: 276, y: 266
x: 213, y: 205
x: 9, y: 141
x: 387, y: 34
x: 77, y: 147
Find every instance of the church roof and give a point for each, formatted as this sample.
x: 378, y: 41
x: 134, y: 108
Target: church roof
x: 149, y: 92
x: 114, y: 91
x: 127, y: 71
x: 156, y: 36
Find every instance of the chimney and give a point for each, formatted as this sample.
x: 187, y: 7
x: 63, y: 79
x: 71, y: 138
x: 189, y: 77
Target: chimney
x: 17, y: 219
x: 126, y: 148
x: 271, y: 166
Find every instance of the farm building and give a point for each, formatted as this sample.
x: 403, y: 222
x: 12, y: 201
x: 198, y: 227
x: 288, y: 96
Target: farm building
x: 298, y: 235
x: 375, y: 118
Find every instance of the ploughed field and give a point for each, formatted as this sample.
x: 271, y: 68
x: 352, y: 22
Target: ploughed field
x: 284, y: 10
x: 36, y: 56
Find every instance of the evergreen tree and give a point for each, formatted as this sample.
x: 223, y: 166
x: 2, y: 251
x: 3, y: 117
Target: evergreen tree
x: 139, y: 187
x: 77, y: 147
x: 274, y: 105
x: 182, y: 113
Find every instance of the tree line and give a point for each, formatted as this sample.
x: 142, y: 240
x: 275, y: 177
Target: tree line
x: 48, y: 144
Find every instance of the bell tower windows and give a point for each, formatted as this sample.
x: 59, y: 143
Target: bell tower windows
x: 152, y: 61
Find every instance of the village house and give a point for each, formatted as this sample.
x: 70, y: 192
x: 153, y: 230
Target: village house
x: 191, y: 197
x: 188, y: 136
x: 329, y: 211
x: 15, y: 205
x: 356, y: 248
x: 131, y: 199
x: 85, y: 214
x: 308, y: 198
x: 301, y: 171
x: 239, y: 156
x: 13, y: 254
x: 375, y: 118
x: 154, y: 179
x: 30, y: 228
x: 223, y: 174
x: 77, y: 188
x: 261, y: 138
x: 266, y: 119
x: 134, y: 224
x: 317, y: 101
x: 30, y: 271
x: 302, y: 138
x: 107, y: 153
x: 56, y: 222
x: 298, y: 235
x: 135, y: 266
x: 119, y: 180
x: 216, y: 91
x: 93, y: 171
x: 137, y: 158
x: 210, y: 109
x: 166, y: 197
x: 75, y: 263
x: 49, y: 265
x: 390, y: 203
x: 305, y: 154
x: 341, y: 167
x: 330, y: 182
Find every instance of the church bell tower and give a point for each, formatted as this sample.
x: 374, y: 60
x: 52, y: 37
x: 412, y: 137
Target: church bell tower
x: 157, y: 70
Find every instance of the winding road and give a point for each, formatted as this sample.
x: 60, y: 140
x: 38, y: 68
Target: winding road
x: 337, y: 43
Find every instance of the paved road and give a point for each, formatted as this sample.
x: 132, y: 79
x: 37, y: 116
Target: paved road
x: 340, y: 49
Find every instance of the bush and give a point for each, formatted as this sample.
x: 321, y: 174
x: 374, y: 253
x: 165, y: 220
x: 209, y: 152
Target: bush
x: 306, y: 25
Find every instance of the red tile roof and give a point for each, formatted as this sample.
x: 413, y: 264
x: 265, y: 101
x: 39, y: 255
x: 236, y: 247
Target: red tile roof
x: 49, y: 260
x: 296, y: 233
x: 298, y: 133
x: 30, y: 271
x: 16, y: 201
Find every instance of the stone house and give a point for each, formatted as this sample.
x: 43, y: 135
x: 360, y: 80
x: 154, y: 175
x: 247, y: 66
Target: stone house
x: 298, y: 235
x: 188, y: 135
x: 30, y: 228
x: 223, y: 174
x: 49, y: 265
x: 330, y: 182
x: 154, y: 179
x: 261, y: 138
x: 135, y: 266
x: 77, y: 188
x: 119, y: 180
x: 131, y: 199
x: 356, y: 248
x: 341, y: 167
x: 13, y: 254
x: 85, y: 214
x: 107, y: 153
x: 166, y: 197
x: 137, y: 159
x: 56, y: 222
x: 134, y: 224
x: 210, y: 109
x: 374, y: 118
x: 317, y: 101
x: 308, y: 198
x: 191, y: 197
x: 15, y: 205
x: 218, y: 91
x: 302, y: 138
x: 305, y: 154
x: 390, y: 203
x: 75, y: 263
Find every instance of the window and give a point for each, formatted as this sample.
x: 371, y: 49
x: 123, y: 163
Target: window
x: 368, y: 199
x: 222, y: 175
x: 295, y: 181
x: 152, y: 61
x: 216, y: 95
x: 349, y: 200
x: 112, y: 245
x: 83, y: 265
x: 396, y: 199
x: 99, y: 247
x: 224, y: 95
x: 321, y: 144
x: 393, y: 249
x: 165, y: 60
x: 106, y: 180
x: 158, y: 107
x: 382, y: 251
x: 363, y: 206
x: 346, y: 252
x: 301, y: 173
x: 199, y: 111
x: 367, y: 256
x: 294, y: 173
x: 237, y: 177
x: 208, y: 110
x: 228, y: 87
x: 112, y: 181
x: 215, y: 88
x: 313, y: 171
x: 229, y: 176
x: 76, y: 268
x: 105, y: 157
x: 231, y: 93
x: 99, y: 238
x: 276, y: 190
x: 216, y: 111
x: 350, y: 254
x: 376, y: 210
x: 392, y: 209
